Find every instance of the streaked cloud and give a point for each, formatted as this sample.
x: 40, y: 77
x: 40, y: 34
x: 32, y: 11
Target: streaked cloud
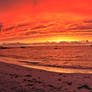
x: 33, y: 19
x: 81, y: 27
x: 42, y: 26
x: 88, y: 21
x: 14, y: 27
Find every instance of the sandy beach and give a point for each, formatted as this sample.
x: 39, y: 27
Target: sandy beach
x: 14, y: 78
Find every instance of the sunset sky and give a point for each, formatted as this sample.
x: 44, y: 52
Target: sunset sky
x: 45, y: 20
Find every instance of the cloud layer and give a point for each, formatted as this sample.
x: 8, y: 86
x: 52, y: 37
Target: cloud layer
x: 44, y: 20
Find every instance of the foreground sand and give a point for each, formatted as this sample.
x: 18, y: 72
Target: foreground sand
x: 14, y: 78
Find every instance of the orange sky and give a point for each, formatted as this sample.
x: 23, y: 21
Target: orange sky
x: 45, y: 20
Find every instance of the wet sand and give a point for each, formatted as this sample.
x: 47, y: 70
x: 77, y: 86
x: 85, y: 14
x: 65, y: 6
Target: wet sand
x: 14, y: 78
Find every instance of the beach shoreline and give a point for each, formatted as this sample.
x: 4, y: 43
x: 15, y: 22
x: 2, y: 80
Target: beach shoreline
x: 15, y: 78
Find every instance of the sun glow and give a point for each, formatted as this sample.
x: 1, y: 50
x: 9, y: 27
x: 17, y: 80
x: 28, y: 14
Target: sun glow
x: 60, y: 40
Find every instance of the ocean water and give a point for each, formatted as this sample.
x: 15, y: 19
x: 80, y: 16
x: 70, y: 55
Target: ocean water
x: 71, y: 57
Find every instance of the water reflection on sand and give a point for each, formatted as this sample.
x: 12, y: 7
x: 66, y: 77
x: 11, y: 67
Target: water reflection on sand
x: 61, y: 70
x: 34, y: 64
